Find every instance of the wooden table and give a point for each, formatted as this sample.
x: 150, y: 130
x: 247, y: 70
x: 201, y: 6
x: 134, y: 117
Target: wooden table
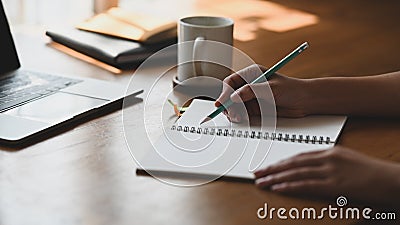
x: 86, y: 175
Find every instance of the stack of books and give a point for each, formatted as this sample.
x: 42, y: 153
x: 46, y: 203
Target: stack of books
x: 117, y: 37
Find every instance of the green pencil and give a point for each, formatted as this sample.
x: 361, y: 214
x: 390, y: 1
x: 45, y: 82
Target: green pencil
x: 265, y: 75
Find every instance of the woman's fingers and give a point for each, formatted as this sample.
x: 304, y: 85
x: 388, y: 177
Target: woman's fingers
x: 234, y: 116
x: 243, y: 112
x: 302, y: 173
x: 301, y: 160
x: 229, y: 85
x: 250, y: 73
x: 259, y: 90
x: 253, y: 91
x: 237, y: 80
x: 311, y: 186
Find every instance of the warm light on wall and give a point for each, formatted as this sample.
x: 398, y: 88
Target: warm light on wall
x: 249, y: 15
x: 253, y: 15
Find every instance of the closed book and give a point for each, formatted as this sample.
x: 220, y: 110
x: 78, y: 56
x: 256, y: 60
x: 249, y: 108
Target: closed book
x: 120, y: 53
x: 130, y: 25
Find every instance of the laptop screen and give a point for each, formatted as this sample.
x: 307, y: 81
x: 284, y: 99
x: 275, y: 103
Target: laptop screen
x: 8, y: 54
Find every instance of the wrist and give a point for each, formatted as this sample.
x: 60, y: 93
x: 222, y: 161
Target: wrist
x: 324, y: 96
x: 312, y: 96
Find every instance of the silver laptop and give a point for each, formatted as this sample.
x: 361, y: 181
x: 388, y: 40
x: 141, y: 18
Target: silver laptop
x: 32, y: 103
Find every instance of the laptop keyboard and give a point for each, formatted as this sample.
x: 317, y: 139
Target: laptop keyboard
x: 26, y: 86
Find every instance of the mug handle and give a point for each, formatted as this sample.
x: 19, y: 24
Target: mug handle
x: 196, y: 46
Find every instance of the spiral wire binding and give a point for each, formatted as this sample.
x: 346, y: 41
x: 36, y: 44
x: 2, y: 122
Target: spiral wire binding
x: 253, y: 134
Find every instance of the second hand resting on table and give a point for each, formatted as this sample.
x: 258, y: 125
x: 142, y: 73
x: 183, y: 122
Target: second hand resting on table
x: 325, y: 173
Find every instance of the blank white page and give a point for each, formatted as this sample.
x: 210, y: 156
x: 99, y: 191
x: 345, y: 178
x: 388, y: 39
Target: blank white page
x: 213, y: 155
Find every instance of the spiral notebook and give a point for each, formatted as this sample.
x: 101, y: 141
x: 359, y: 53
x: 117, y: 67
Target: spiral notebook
x: 220, y: 148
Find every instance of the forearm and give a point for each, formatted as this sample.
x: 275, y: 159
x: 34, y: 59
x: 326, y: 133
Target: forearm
x: 358, y: 96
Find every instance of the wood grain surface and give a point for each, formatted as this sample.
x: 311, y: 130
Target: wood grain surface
x: 86, y: 175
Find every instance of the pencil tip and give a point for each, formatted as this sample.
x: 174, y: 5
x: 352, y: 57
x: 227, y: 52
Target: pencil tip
x: 205, y: 120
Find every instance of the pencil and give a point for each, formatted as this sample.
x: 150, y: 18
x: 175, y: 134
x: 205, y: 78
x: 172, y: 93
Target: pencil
x: 263, y: 76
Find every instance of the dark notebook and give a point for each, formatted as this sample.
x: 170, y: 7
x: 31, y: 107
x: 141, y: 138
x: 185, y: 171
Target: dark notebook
x: 120, y: 53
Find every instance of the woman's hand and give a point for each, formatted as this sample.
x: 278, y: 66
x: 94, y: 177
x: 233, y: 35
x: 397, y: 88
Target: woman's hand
x: 290, y: 94
x: 355, y: 96
x: 334, y: 172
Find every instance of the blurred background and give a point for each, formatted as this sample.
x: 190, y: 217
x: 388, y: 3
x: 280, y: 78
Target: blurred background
x: 249, y: 15
x: 55, y: 13
x: 265, y: 30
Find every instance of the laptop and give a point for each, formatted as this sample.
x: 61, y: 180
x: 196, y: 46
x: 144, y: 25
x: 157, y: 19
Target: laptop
x: 32, y: 103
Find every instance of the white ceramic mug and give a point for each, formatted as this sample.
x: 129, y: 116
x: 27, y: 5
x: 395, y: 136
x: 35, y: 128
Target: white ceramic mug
x: 100, y: 6
x: 204, y: 47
